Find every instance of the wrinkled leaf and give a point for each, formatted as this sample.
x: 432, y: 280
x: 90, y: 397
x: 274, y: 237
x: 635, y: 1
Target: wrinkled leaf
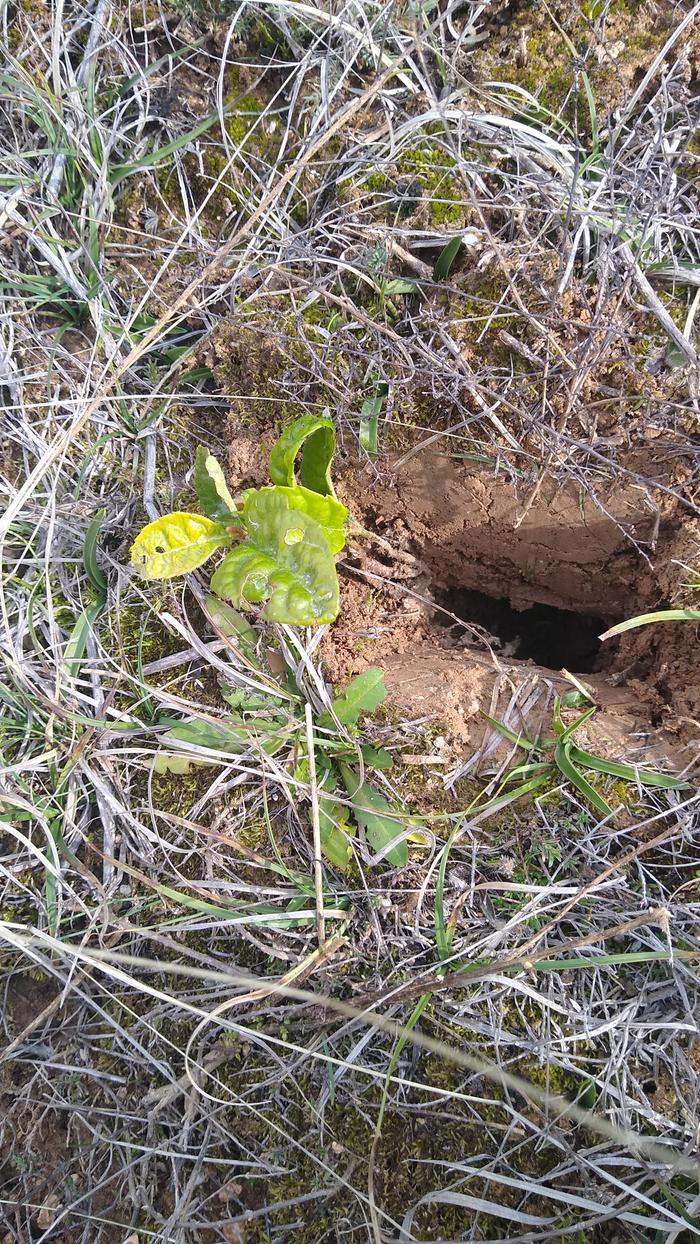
x: 376, y: 816
x: 315, y: 436
x: 210, y: 485
x: 176, y: 544
x: 285, y: 560
x: 244, y: 701
x: 363, y: 694
x: 328, y: 512
x: 335, y: 831
x: 445, y: 259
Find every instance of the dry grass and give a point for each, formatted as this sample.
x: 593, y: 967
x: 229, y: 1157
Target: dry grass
x: 177, y: 1062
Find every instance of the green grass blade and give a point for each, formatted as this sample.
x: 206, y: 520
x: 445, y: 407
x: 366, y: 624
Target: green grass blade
x: 77, y: 641
x: 628, y: 773
x: 610, y: 961
x: 568, y: 770
x: 445, y: 259
x: 396, y: 1054
x: 92, y: 568
x: 369, y: 419
x: 593, y: 114
x: 645, y: 619
x: 121, y: 171
x: 520, y: 740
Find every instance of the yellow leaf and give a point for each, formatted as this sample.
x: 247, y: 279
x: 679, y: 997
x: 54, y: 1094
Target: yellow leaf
x: 176, y: 544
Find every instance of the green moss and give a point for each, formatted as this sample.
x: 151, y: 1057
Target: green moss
x: 434, y: 170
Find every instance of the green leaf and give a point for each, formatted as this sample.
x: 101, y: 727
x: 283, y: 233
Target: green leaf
x: 562, y: 757
x: 363, y: 694
x: 628, y: 773
x: 377, y: 758
x: 244, y: 701
x: 77, y: 642
x: 317, y: 436
x: 445, y: 259
x: 520, y: 740
x: 563, y: 732
x: 233, y: 625
x: 644, y: 619
x: 335, y: 831
x: 369, y: 418
x: 92, y: 568
x: 400, y: 285
x: 119, y: 171
x: 221, y: 737
x: 176, y: 544
x: 329, y: 513
x: 169, y: 762
x: 210, y: 486
x: 376, y: 816
x: 284, y: 560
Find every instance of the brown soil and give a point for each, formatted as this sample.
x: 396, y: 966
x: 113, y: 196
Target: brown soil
x: 465, y: 539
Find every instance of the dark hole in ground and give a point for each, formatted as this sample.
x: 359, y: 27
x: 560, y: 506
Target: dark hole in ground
x: 555, y: 638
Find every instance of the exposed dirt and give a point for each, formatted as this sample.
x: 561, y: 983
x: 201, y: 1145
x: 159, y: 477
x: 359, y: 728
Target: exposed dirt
x: 522, y: 567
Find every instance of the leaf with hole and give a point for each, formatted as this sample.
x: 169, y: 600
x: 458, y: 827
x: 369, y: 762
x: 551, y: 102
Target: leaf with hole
x: 176, y: 544
x: 210, y: 485
x: 363, y: 694
x: 375, y: 815
x: 314, y: 435
x: 284, y: 561
x: 327, y: 511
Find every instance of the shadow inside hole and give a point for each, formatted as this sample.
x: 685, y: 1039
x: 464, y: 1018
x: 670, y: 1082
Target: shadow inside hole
x: 555, y: 638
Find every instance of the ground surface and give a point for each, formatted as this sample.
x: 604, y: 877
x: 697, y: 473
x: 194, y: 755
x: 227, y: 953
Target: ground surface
x: 215, y: 219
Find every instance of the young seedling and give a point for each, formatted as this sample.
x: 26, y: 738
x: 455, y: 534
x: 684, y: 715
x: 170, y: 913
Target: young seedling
x: 284, y: 536
x: 557, y: 758
x: 347, y: 800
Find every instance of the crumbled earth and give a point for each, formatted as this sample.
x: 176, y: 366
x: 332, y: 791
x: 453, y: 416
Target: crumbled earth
x: 443, y: 526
